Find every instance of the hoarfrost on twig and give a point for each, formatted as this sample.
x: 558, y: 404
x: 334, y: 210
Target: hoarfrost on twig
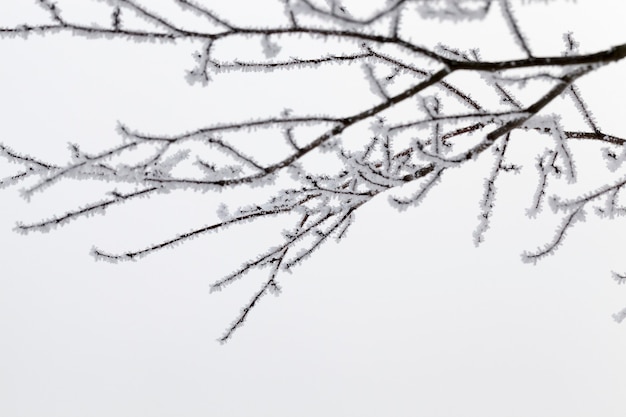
x: 393, y: 154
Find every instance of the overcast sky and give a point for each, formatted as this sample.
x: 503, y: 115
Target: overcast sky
x: 405, y: 317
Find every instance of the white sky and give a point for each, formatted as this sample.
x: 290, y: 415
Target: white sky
x: 404, y: 318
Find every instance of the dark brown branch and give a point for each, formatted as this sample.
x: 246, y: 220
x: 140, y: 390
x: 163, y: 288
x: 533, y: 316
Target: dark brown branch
x: 186, y: 236
x: 97, y: 207
x: 596, y: 136
x: 613, y: 54
x: 239, y: 321
x: 207, y: 13
x: 347, y: 19
x: 63, y: 171
x: 558, y: 239
x: 510, y: 19
x: 344, y: 124
x: 530, y: 111
x: 153, y: 17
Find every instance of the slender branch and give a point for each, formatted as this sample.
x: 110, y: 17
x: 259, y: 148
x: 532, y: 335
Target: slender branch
x: 558, y: 239
x: 185, y: 236
x: 96, y: 207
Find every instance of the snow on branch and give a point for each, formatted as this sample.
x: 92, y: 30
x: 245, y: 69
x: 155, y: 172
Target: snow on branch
x: 396, y: 155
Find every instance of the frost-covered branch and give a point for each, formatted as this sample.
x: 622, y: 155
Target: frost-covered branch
x: 406, y: 156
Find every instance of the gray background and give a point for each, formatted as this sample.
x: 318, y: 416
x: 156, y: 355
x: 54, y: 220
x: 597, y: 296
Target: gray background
x: 403, y: 318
